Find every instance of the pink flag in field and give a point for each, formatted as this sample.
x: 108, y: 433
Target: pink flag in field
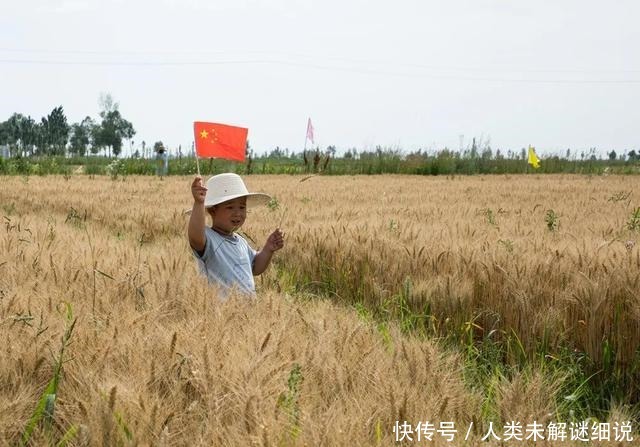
x: 310, y: 131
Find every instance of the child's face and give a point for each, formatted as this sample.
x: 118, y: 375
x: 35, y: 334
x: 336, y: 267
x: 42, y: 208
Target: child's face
x: 230, y: 215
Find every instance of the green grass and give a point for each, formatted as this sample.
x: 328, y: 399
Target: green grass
x: 382, y: 161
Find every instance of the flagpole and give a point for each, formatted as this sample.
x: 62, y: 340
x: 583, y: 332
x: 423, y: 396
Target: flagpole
x: 304, y: 151
x: 195, y: 152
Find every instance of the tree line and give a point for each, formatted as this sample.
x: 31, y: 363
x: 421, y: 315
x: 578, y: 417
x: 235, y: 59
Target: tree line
x: 54, y: 136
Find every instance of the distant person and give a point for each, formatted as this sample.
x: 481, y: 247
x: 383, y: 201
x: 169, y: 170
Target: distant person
x: 224, y: 256
x: 162, y: 162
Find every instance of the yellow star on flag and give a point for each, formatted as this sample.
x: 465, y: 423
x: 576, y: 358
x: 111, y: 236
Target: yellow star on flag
x: 204, y: 134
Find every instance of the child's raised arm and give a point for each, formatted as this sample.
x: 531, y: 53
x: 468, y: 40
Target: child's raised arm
x: 197, y: 219
x: 274, y: 242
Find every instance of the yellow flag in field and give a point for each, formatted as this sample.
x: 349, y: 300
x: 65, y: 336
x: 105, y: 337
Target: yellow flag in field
x: 533, y: 158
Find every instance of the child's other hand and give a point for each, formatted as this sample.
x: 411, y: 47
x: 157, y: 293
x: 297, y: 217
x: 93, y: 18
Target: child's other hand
x: 275, y: 241
x: 198, y: 190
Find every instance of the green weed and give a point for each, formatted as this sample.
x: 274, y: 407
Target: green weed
x: 552, y: 220
x: 45, y: 409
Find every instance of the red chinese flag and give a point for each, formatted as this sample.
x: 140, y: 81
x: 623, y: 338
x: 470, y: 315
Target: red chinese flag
x: 215, y: 140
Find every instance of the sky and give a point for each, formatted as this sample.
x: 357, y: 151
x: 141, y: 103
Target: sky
x: 403, y: 74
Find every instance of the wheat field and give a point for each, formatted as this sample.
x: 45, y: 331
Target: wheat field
x: 112, y: 338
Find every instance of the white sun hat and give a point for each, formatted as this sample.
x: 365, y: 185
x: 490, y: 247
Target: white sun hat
x: 229, y: 186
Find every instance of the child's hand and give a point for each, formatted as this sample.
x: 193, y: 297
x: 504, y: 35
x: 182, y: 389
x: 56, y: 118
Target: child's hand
x: 199, y: 192
x: 275, y: 241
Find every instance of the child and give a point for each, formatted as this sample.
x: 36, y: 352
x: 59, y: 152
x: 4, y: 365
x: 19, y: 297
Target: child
x: 223, y: 255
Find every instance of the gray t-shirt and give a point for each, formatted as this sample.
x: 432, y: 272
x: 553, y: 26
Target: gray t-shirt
x: 228, y: 262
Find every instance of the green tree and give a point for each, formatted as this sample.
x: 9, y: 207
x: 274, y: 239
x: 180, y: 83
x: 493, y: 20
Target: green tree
x: 111, y: 131
x: 21, y: 134
x: 31, y: 134
x: 4, y: 133
x: 38, y: 135
x: 55, y: 133
x: 95, y: 135
x: 474, y: 150
x: 113, y: 128
x: 13, y: 132
x: 81, y: 136
x: 8, y: 135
